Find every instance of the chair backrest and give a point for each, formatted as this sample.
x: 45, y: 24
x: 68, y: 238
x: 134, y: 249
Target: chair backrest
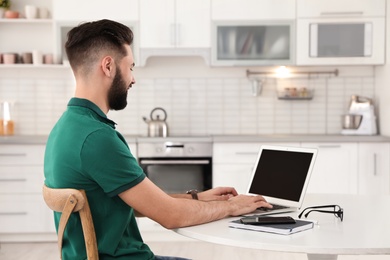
x: 68, y: 201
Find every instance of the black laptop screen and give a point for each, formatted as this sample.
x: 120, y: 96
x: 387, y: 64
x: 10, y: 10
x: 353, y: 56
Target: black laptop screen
x: 281, y: 174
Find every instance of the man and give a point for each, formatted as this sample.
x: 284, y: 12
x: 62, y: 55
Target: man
x: 84, y: 151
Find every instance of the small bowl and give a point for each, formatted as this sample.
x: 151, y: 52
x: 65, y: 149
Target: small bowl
x: 9, y: 58
x: 11, y: 14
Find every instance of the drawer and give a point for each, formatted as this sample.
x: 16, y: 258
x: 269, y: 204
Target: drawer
x: 241, y: 153
x: 22, y: 154
x: 25, y: 214
x: 21, y: 179
x: 235, y: 153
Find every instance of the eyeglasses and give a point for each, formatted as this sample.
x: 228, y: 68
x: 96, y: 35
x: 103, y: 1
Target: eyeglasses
x: 337, y: 211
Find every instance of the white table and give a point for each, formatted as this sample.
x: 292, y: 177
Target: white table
x: 364, y: 231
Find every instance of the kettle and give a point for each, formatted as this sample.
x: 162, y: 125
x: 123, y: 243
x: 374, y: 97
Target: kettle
x: 157, y: 127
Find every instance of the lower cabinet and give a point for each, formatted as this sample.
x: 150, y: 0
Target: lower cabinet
x: 335, y: 169
x: 374, y: 168
x: 23, y: 212
x: 340, y: 168
x: 233, y: 163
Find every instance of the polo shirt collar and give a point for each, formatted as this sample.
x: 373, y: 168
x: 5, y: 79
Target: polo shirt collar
x: 80, y: 102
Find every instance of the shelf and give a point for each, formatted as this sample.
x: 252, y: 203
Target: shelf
x: 24, y: 21
x: 296, y: 94
x: 32, y: 66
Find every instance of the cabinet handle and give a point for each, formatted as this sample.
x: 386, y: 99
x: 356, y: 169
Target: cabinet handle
x: 172, y: 34
x: 178, y: 34
x: 341, y: 13
x: 13, y: 213
x: 330, y: 146
x: 374, y: 164
x: 13, y: 180
x: 13, y: 154
x: 246, y: 153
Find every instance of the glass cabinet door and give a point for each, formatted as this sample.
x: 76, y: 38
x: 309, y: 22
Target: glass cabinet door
x: 264, y: 44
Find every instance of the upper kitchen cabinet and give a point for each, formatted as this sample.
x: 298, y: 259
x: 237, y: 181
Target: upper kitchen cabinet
x: 337, y: 8
x: 174, y: 27
x: 252, y: 10
x: 253, y: 33
x: 344, y: 32
x: 68, y: 14
x: 73, y: 10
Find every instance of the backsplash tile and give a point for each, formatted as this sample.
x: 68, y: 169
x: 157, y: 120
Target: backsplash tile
x: 203, y: 105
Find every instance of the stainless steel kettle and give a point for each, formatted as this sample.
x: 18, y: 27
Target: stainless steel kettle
x: 157, y: 127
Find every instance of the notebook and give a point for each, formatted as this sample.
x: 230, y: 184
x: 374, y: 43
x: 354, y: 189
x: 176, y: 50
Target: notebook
x: 283, y: 229
x: 281, y: 175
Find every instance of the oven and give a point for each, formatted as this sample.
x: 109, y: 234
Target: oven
x: 177, y: 166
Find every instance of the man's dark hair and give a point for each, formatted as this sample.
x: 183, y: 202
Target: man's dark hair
x: 87, y: 40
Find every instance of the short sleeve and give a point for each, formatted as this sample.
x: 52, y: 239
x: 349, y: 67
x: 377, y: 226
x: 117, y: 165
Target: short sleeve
x: 107, y: 160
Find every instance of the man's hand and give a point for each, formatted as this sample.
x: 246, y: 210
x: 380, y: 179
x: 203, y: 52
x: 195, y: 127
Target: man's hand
x: 219, y: 193
x: 244, y: 204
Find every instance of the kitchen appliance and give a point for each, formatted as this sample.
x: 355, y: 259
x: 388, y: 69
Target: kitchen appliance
x: 157, y: 127
x: 178, y: 164
x: 361, y: 119
x: 352, y: 40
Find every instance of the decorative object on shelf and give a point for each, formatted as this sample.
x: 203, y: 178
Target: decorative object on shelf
x: 10, y: 14
x: 48, y: 59
x: 10, y: 58
x: 27, y: 58
x: 4, y: 6
x: 31, y: 11
x: 37, y: 57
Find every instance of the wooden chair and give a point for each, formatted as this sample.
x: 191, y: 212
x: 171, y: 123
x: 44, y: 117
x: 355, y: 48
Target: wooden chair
x: 68, y: 201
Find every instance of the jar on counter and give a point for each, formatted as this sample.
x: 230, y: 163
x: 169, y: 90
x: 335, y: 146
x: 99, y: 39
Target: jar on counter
x: 6, y: 124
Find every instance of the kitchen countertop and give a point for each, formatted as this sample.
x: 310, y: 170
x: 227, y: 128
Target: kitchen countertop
x: 272, y: 138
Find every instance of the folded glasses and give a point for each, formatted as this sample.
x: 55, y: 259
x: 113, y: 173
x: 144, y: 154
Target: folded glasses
x: 337, y: 211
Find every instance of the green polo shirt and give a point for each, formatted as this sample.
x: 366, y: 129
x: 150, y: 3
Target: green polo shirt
x: 84, y: 151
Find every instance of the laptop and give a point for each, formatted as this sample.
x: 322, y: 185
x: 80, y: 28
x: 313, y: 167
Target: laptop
x: 281, y: 175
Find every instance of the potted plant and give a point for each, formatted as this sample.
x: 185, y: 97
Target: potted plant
x: 4, y: 5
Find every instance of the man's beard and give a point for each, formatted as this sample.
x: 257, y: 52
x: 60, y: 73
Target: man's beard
x: 117, y: 95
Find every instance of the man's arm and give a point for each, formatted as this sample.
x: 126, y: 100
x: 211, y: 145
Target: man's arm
x: 150, y: 201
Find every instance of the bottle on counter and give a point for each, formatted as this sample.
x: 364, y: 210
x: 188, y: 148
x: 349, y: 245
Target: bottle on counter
x: 6, y: 124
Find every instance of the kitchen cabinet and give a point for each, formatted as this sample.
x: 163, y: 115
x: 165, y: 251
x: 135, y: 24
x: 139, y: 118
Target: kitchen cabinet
x: 73, y: 10
x: 326, y: 30
x: 374, y: 168
x: 175, y: 24
x: 336, y: 8
x: 335, y: 169
x: 23, y: 212
x: 252, y: 10
x: 233, y: 163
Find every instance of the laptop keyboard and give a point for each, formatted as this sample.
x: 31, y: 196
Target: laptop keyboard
x: 275, y: 207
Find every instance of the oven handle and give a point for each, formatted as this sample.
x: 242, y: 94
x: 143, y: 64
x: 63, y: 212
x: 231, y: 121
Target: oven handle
x: 146, y: 162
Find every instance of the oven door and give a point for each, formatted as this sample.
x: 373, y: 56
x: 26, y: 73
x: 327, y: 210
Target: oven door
x: 177, y: 175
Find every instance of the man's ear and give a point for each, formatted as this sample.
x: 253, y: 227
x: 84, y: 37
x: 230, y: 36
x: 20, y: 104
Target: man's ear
x: 108, y: 66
